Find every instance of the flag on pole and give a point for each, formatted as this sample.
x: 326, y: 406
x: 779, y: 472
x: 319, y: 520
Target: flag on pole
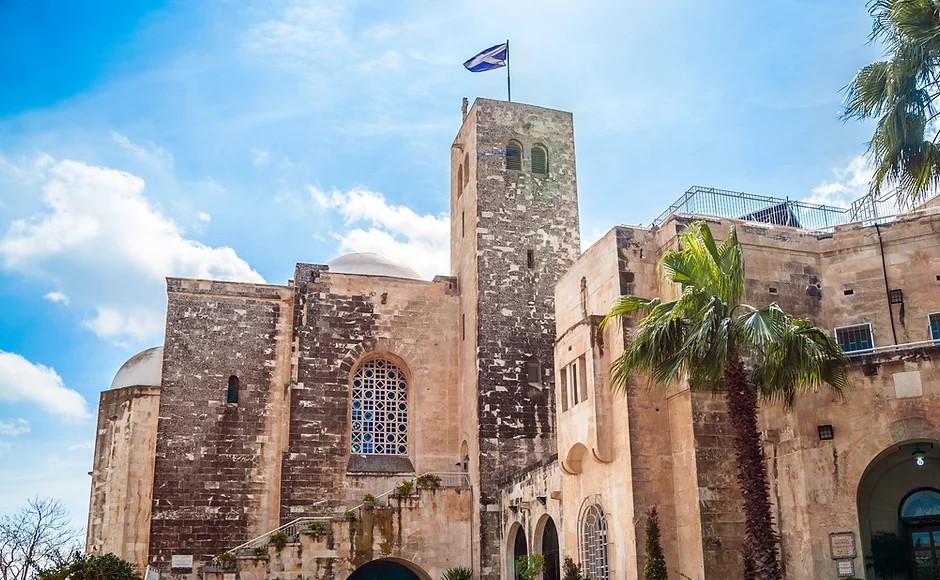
x: 492, y: 57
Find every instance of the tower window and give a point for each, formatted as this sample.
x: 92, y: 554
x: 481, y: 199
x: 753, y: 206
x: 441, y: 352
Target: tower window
x: 466, y: 168
x: 530, y: 258
x: 539, y: 160
x: 232, y: 393
x: 514, y: 156
x: 459, y: 181
x: 379, y: 409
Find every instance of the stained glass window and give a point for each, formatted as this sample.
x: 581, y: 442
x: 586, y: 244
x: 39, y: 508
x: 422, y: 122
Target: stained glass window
x: 925, y: 502
x: 379, y: 409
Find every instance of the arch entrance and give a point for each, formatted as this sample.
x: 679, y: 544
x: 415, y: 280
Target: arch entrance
x: 899, y: 511
x: 385, y: 570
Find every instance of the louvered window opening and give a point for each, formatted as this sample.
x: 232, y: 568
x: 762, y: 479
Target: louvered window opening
x: 856, y: 338
x: 593, y: 527
x: 379, y: 409
x: 539, y: 160
x: 514, y: 156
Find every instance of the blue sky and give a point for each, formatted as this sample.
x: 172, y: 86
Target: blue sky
x: 229, y: 139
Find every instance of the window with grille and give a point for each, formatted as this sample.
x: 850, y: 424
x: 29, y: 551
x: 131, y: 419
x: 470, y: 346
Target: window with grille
x: 934, y: 320
x: 592, y: 526
x: 514, y: 156
x: 379, y: 409
x: 539, y: 160
x: 855, y: 338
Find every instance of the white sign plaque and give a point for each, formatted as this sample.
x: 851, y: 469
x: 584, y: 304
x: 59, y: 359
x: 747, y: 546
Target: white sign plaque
x: 182, y: 561
x: 842, y: 545
x: 845, y: 568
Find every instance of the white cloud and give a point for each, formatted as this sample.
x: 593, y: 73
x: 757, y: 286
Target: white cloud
x: 14, y: 428
x: 851, y: 183
x: 57, y: 297
x: 396, y: 232
x: 204, y: 217
x: 90, y: 444
x: 260, y: 157
x: 150, y: 153
x: 109, y: 250
x: 21, y: 380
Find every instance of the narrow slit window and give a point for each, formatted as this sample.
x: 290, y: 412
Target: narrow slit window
x: 514, y: 156
x: 575, y: 392
x: 533, y: 372
x: 530, y: 258
x: 463, y: 224
x: 466, y: 168
x: 563, y: 383
x: 232, y: 393
x: 539, y: 160
x: 460, y: 181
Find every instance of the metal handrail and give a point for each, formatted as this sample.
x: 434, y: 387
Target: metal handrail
x: 893, y: 348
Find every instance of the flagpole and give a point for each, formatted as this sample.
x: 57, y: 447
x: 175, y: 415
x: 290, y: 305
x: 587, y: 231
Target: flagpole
x: 508, y: 82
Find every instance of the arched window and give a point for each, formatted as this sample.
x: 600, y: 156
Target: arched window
x: 592, y: 526
x: 379, y: 409
x: 466, y: 168
x: 514, y: 156
x: 232, y: 395
x: 921, y: 503
x: 552, y: 570
x: 539, y: 160
x: 459, y: 181
x: 519, y: 548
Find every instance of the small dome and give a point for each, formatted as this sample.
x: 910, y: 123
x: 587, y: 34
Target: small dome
x: 369, y: 264
x: 144, y: 369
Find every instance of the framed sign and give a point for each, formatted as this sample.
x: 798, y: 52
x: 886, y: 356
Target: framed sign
x: 842, y: 545
x: 181, y: 562
x: 845, y: 568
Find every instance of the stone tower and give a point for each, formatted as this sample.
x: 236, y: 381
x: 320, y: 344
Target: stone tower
x: 514, y: 232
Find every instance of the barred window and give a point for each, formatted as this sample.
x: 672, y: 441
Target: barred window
x: 514, y: 156
x: 934, y: 320
x: 539, y: 160
x: 379, y: 409
x: 592, y: 526
x: 856, y: 338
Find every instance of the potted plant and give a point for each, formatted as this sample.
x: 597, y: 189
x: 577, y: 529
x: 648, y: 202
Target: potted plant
x: 225, y: 560
x: 318, y: 528
x: 571, y: 571
x: 458, y: 573
x: 428, y: 481
x: 278, y: 540
x: 405, y: 488
x: 368, y: 500
x: 350, y: 515
x: 260, y: 552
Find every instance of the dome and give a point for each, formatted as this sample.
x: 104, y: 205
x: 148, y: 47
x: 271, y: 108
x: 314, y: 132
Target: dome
x: 144, y: 369
x: 369, y: 264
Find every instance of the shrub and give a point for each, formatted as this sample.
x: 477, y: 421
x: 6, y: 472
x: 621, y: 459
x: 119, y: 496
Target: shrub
x: 350, y: 514
x: 655, y: 567
x: 888, y: 554
x: 368, y: 498
x: 278, y: 540
x: 528, y: 567
x: 458, y: 573
x: 318, y: 528
x: 225, y: 560
x: 261, y: 552
x: 428, y: 481
x: 571, y: 571
x: 405, y: 488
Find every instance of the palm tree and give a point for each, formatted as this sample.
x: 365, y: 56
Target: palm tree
x: 900, y: 93
x: 718, y: 343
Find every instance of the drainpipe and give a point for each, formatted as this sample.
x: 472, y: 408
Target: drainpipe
x: 884, y: 271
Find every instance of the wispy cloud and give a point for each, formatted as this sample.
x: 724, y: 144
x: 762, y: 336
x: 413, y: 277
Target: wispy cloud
x: 147, y: 152
x: 14, y: 428
x: 57, y: 297
x: 24, y: 381
x: 397, y: 232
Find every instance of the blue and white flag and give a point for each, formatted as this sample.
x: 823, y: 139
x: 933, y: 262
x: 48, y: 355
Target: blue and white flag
x: 492, y: 57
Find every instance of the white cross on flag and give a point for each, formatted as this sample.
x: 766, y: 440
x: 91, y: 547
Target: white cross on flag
x: 492, y: 57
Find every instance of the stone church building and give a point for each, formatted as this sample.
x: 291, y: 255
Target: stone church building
x: 362, y: 422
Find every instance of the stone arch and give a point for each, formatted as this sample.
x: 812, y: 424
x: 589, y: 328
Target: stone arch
x: 394, y: 568
x: 515, y: 539
x: 548, y: 546
x: 572, y: 465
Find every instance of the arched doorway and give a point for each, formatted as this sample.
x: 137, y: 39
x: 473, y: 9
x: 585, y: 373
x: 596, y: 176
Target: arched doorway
x: 384, y: 570
x: 519, y: 548
x: 899, y: 512
x: 552, y: 570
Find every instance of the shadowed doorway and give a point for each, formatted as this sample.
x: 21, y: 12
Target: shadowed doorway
x: 383, y: 570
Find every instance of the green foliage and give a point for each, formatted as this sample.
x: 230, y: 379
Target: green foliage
x: 900, y: 92
x: 655, y: 567
x: 458, y: 573
x: 81, y: 567
x: 889, y: 555
x: 528, y: 567
x: 318, y: 528
x: 278, y: 540
x: 225, y: 560
x: 368, y: 498
x: 571, y: 571
x: 405, y: 488
x: 350, y: 514
x: 428, y: 481
x: 260, y: 552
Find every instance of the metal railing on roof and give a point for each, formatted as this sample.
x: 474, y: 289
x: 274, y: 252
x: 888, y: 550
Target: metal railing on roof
x: 710, y: 201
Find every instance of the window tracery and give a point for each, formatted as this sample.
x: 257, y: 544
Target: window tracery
x: 379, y: 409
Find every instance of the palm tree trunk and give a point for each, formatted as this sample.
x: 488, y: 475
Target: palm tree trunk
x: 761, y: 538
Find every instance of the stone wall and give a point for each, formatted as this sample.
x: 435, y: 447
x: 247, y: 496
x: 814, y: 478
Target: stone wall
x: 122, y: 473
x: 217, y: 464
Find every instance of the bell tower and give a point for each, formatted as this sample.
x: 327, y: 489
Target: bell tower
x: 514, y: 232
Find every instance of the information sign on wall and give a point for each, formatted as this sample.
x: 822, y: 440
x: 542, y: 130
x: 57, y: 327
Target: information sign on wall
x: 842, y: 545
